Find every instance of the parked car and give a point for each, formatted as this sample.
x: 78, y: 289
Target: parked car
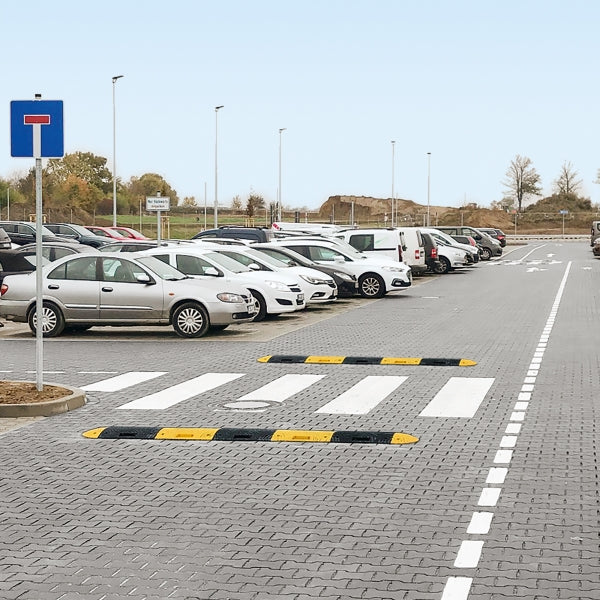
x: 431, y: 254
x: 273, y: 293
x: 347, y: 283
x: 5, y: 243
x: 254, y: 234
x: 467, y: 240
x: 497, y: 234
x: 131, y: 245
x: 595, y: 232
x: 77, y: 232
x: 451, y: 253
x: 85, y: 291
x: 24, y: 232
x: 402, y: 245
x: 596, y: 247
x: 129, y: 233
x: 108, y: 232
x: 490, y: 246
x: 23, y: 258
x: 375, y: 277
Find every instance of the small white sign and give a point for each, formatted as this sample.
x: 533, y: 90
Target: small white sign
x: 158, y: 203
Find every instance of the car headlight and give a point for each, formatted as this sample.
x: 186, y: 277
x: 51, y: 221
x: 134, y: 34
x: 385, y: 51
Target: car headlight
x: 344, y: 276
x: 314, y: 280
x: 229, y: 297
x: 277, y: 285
x: 395, y: 269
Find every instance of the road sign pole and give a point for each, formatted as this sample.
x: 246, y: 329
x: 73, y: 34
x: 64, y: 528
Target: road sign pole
x: 39, y: 345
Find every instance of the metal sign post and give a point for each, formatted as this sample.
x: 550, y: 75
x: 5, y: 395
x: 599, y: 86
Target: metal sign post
x: 157, y: 204
x: 36, y: 131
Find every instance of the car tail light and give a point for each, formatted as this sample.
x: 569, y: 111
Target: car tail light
x: 417, y: 254
x: 3, y: 289
x: 434, y: 253
x: 400, y: 253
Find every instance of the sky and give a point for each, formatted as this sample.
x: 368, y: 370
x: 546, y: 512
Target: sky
x: 473, y: 83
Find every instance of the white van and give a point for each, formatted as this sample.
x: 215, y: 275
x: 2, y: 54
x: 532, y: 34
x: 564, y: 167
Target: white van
x: 404, y: 244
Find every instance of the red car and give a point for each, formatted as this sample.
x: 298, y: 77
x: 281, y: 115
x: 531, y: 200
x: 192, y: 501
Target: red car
x: 128, y: 232
x: 108, y: 232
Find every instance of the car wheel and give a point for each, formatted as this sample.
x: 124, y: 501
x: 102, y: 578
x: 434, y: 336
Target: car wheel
x: 190, y: 320
x: 261, y: 306
x: 486, y: 254
x: 443, y: 267
x: 53, y: 322
x: 371, y: 286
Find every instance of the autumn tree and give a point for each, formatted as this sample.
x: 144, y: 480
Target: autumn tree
x: 189, y: 202
x: 85, y: 166
x: 149, y: 184
x: 567, y: 182
x: 254, y: 203
x: 522, y: 180
x: 236, y: 203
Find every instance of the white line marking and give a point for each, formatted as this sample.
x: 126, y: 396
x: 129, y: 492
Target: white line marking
x: 457, y: 588
x: 513, y: 428
x: 503, y: 457
x: 496, y: 475
x: 460, y: 397
x: 364, y: 396
x: 508, y: 441
x: 177, y: 393
x: 521, y: 405
x: 121, y: 382
x: 282, y: 388
x: 517, y: 416
x: 480, y: 523
x: 489, y: 496
x: 468, y: 554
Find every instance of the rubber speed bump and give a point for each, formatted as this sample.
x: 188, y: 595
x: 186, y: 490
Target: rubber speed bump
x: 366, y: 360
x: 227, y: 434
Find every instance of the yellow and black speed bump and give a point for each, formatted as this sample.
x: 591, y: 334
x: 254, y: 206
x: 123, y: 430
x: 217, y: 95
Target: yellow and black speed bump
x: 227, y: 434
x: 367, y: 360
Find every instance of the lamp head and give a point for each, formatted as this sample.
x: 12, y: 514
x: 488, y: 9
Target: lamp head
x: 117, y: 77
x: 218, y: 107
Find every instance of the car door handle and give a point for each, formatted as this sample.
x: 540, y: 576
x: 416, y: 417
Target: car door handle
x: 107, y: 289
x: 53, y: 286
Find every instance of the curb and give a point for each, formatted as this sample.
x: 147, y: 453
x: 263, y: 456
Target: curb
x: 76, y: 399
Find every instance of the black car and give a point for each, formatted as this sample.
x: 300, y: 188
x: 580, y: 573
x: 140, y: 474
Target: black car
x: 77, y: 232
x: 252, y: 234
x: 346, y: 282
x: 497, y: 234
x: 431, y: 254
x: 22, y: 259
x: 23, y: 232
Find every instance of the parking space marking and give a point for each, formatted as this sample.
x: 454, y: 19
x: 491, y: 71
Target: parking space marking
x: 364, y: 396
x: 460, y: 397
x: 120, y: 382
x: 282, y: 388
x: 177, y: 393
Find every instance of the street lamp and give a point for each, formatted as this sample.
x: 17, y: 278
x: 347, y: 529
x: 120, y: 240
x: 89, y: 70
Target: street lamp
x: 216, y: 206
x: 393, y: 169
x: 279, y: 188
x: 428, y: 185
x: 114, y: 80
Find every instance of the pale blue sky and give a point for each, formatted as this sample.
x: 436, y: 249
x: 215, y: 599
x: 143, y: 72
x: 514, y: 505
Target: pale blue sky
x: 472, y: 82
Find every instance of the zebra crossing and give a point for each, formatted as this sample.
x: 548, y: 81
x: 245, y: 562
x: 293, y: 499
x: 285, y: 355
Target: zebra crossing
x: 459, y: 397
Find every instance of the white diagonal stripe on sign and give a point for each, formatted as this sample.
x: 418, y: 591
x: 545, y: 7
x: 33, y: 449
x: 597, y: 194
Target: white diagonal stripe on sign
x: 282, y: 388
x: 460, y: 397
x: 182, y: 391
x: 120, y: 382
x: 364, y: 396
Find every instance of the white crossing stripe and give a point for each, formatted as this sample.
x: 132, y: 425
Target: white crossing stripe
x: 460, y: 397
x: 457, y: 588
x: 468, y: 554
x: 120, y: 382
x: 282, y: 388
x: 182, y: 391
x: 364, y: 396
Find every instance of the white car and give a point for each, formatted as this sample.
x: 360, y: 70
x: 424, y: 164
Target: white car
x: 86, y: 290
x: 452, y: 254
x: 376, y: 277
x: 273, y: 293
x: 318, y: 287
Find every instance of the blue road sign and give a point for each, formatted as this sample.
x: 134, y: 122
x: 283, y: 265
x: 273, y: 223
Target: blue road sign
x: 36, y: 128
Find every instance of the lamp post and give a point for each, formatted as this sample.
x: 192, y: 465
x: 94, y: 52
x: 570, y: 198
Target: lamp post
x: 428, y: 186
x: 279, y: 188
x: 114, y: 80
x: 393, y: 169
x: 216, y: 206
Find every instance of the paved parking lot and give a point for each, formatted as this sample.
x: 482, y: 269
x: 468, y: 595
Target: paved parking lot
x: 498, y: 498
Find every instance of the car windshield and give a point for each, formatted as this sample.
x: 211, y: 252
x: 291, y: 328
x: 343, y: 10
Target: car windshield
x: 289, y: 257
x: 226, y: 262
x: 80, y: 229
x: 161, y: 269
x: 266, y: 258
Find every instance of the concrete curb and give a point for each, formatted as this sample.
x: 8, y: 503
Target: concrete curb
x: 75, y: 399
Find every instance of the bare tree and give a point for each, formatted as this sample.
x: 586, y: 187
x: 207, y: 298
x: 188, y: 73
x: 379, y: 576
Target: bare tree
x: 567, y: 181
x: 521, y: 180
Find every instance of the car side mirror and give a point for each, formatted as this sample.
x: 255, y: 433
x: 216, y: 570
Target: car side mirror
x: 212, y: 272
x: 144, y: 278
x: 253, y: 267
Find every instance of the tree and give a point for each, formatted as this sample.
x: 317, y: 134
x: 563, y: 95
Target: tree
x: 189, y: 202
x: 236, y: 203
x: 83, y: 165
x: 254, y: 203
x: 149, y: 184
x: 567, y: 182
x: 522, y: 180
